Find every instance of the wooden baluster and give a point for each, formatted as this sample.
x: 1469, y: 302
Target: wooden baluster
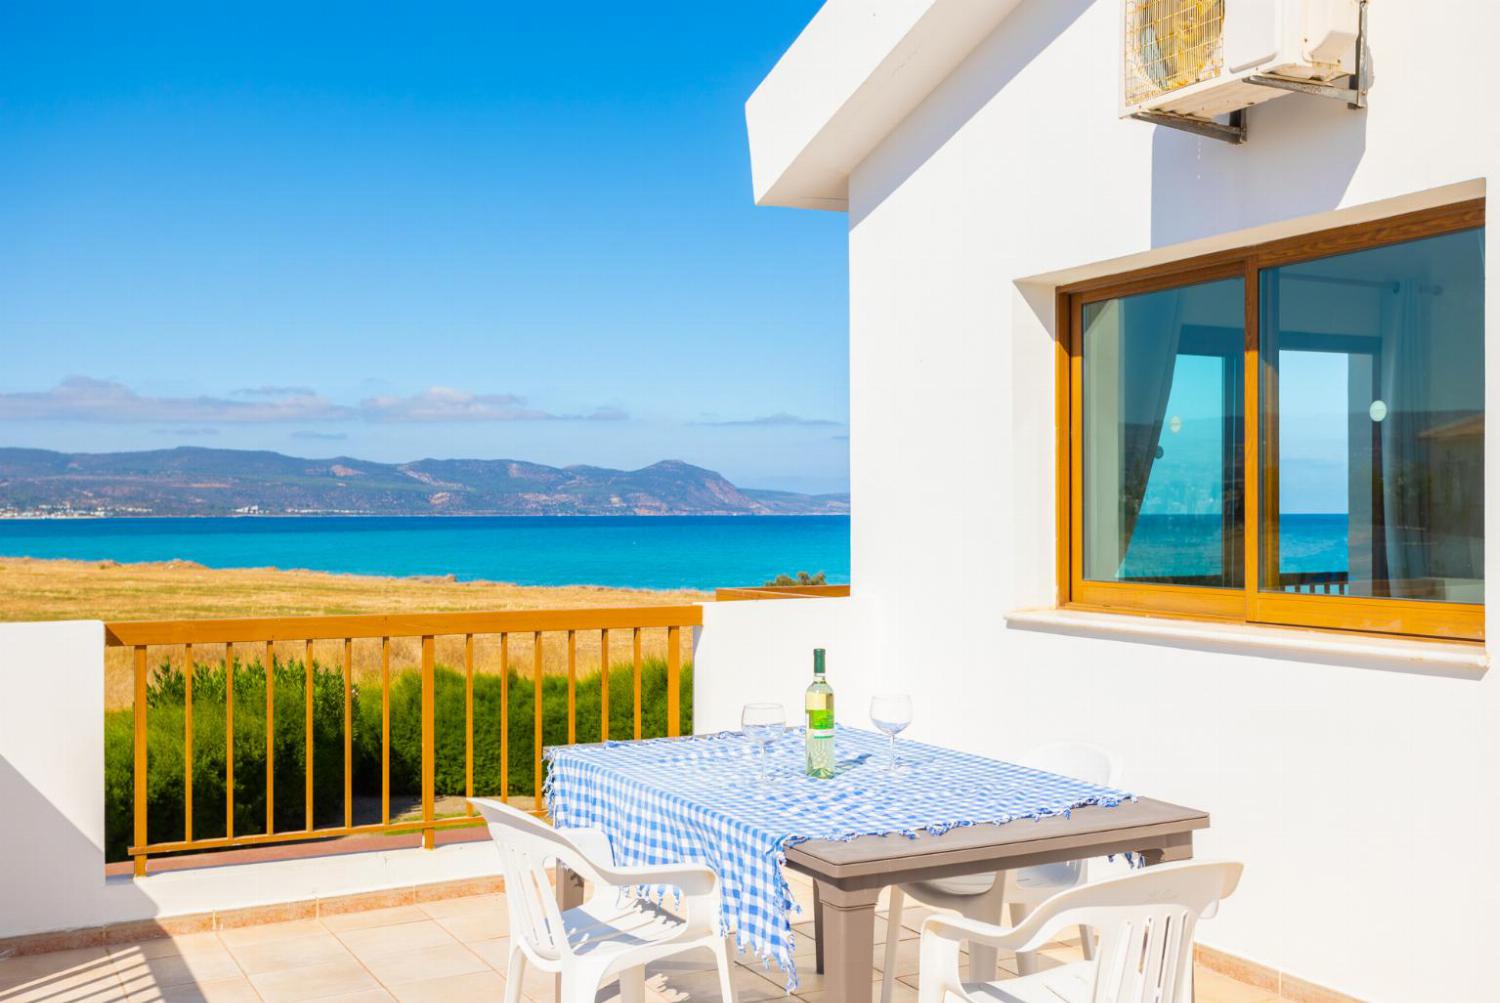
x: 385, y: 731
x: 604, y: 685
x: 140, y: 835
x: 674, y: 681
x: 536, y: 708
x: 228, y: 740
x: 187, y: 744
x: 505, y: 718
x: 307, y: 728
x: 469, y: 722
x: 572, y: 682
x: 429, y: 742
x: 348, y: 732
x: 270, y: 664
x: 635, y: 671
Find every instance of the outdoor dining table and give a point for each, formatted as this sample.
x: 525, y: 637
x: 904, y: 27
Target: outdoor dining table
x: 943, y: 813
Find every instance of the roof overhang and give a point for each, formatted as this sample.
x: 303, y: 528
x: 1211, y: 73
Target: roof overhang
x: 857, y: 70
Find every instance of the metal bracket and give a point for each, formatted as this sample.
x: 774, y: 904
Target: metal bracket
x: 1356, y: 90
x: 1235, y: 131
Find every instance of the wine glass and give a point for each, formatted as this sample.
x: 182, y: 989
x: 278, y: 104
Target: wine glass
x: 891, y: 713
x: 762, y: 723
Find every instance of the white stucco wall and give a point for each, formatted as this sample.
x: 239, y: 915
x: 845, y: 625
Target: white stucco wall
x: 1363, y: 800
x: 52, y: 811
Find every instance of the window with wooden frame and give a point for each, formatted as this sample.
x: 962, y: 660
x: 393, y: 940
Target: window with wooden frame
x: 1289, y: 434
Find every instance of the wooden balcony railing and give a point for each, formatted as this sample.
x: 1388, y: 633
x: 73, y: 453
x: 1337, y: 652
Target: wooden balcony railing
x: 285, y: 639
x: 782, y: 592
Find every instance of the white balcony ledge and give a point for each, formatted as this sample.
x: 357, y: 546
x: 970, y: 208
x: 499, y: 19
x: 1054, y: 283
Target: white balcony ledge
x: 1390, y: 653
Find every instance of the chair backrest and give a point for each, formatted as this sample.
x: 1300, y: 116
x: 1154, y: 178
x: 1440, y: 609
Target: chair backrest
x: 1079, y: 760
x: 1145, y: 922
x: 527, y: 845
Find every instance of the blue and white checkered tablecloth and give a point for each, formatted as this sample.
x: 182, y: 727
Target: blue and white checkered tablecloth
x: 698, y: 799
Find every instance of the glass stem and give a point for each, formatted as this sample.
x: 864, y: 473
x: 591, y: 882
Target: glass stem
x: 893, y: 753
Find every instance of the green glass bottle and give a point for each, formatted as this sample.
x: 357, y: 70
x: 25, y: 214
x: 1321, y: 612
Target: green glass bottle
x: 819, y: 704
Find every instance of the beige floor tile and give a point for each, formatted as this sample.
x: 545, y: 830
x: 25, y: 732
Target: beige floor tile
x: 187, y: 944
x: 703, y: 987
x: 374, y: 917
x: 368, y: 996
x: 57, y: 965
x: 900, y: 993
x: 474, y: 987
x: 378, y: 941
x: 93, y: 986
x: 236, y: 990
x: 243, y: 935
x: 460, y: 906
x: 428, y: 963
x: 1211, y: 987
x: 341, y: 978
x: 477, y: 925
x: 495, y: 953
x: 321, y: 948
x: 203, y: 964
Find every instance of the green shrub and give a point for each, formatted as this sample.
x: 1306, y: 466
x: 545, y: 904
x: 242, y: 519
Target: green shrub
x: 166, y: 746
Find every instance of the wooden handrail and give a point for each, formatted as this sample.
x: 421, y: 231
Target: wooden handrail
x: 128, y: 633
x: 782, y: 592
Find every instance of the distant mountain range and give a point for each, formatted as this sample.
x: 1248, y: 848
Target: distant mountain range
x: 190, y: 481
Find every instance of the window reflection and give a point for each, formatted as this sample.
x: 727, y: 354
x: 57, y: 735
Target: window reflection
x: 1162, y: 430
x: 1374, y: 432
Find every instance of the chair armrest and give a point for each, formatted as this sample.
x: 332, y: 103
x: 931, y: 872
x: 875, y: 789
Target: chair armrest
x: 592, y: 843
x: 957, y: 929
x: 693, y: 879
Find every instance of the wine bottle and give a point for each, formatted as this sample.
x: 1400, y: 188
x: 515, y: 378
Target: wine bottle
x: 819, y: 705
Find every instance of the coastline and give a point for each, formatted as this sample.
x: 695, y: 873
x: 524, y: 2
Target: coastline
x: 49, y: 589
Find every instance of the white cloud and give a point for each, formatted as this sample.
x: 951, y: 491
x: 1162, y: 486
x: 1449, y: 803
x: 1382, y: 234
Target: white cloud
x: 780, y: 419
x: 83, y: 398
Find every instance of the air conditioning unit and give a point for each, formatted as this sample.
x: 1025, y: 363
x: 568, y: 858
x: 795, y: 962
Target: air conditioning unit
x: 1205, y: 58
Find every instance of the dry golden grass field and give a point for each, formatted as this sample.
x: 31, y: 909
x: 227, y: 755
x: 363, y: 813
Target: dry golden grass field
x: 66, y: 590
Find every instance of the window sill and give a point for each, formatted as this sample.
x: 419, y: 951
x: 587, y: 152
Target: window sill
x: 1443, y: 658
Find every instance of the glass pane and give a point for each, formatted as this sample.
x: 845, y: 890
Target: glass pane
x: 1162, y: 436
x: 1374, y: 432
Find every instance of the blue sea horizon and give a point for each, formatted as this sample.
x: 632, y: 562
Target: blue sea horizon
x: 1190, y: 545
x: 650, y: 552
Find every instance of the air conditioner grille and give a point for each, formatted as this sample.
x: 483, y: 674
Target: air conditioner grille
x: 1171, y: 44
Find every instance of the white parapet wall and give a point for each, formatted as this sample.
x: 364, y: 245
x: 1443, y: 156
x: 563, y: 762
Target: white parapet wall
x: 761, y: 650
x: 52, y: 874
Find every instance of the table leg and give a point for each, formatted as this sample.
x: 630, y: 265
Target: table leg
x: 569, y: 896
x: 849, y: 930
x: 1178, y: 846
x: 817, y: 930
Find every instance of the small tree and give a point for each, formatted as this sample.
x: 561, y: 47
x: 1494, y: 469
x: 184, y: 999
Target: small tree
x: 803, y: 578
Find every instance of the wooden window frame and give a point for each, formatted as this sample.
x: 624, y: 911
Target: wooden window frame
x: 1248, y: 604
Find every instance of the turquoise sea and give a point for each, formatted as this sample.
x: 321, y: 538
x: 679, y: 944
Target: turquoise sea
x: 656, y: 552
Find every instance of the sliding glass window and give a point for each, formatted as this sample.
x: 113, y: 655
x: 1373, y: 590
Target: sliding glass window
x: 1358, y: 379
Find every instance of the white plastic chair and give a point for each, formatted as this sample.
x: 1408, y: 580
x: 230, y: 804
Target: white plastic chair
x: 980, y: 896
x: 1145, y: 922
x: 615, y: 933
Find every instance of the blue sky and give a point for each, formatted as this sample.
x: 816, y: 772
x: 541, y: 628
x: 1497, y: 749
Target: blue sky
x: 399, y: 231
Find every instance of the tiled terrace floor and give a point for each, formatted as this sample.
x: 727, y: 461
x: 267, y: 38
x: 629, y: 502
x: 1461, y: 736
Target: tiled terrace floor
x: 451, y: 951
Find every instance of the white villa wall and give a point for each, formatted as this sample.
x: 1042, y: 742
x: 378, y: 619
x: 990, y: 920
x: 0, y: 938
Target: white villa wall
x: 52, y: 811
x: 1364, y: 797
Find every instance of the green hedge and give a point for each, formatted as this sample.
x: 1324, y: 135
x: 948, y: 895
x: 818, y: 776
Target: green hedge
x: 166, y: 747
